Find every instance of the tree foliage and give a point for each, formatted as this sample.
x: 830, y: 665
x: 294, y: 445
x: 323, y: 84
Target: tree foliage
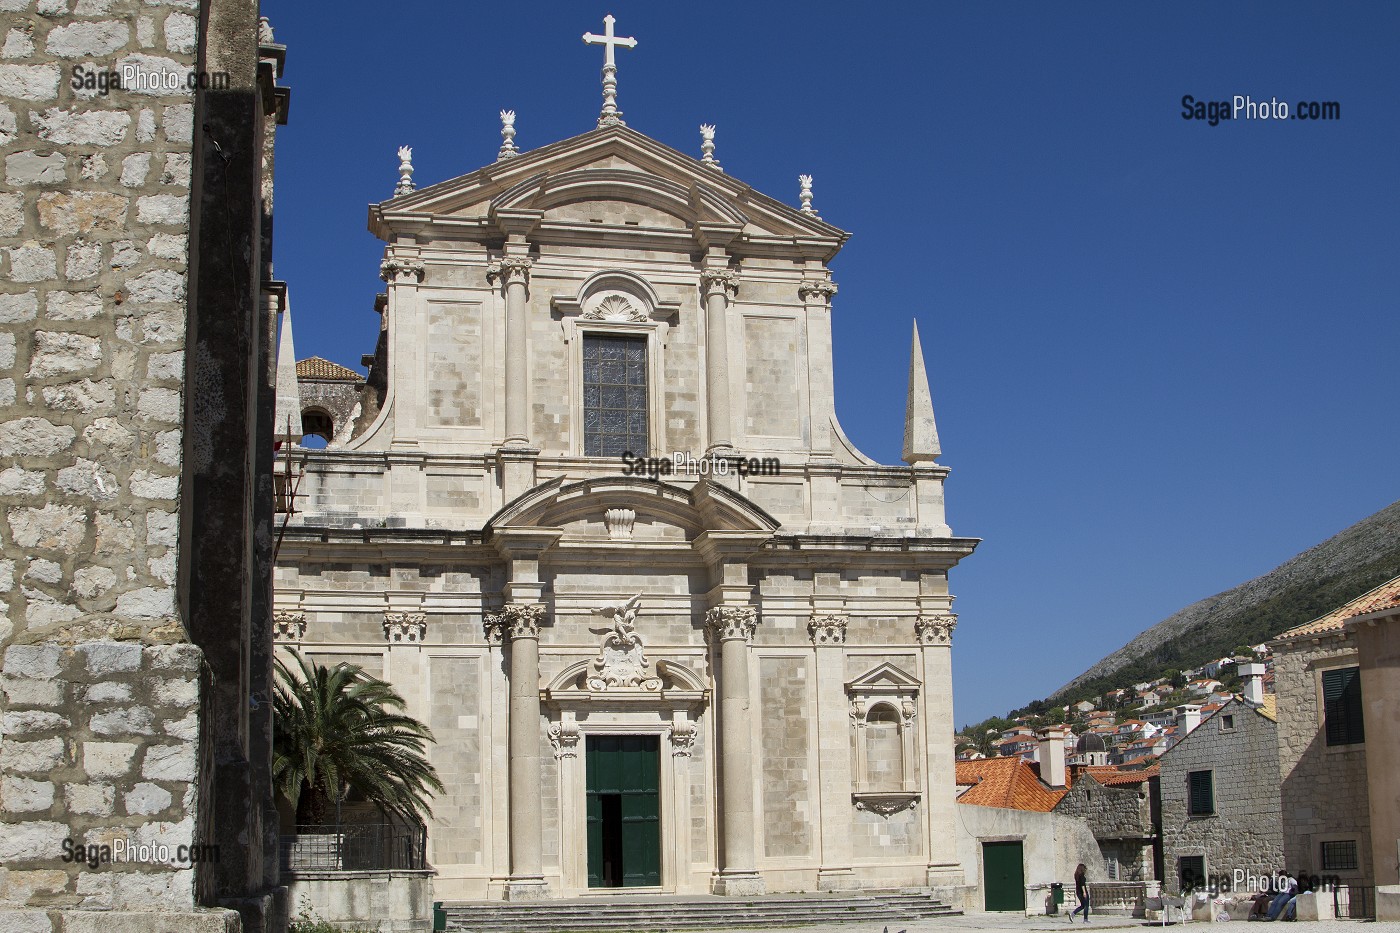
x: 340, y: 733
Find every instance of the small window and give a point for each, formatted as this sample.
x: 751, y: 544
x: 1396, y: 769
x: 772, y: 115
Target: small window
x: 1191, y: 869
x: 1341, y: 702
x: 1200, y: 794
x: 1112, y: 867
x: 1227, y: 723
x: 1339, y: 856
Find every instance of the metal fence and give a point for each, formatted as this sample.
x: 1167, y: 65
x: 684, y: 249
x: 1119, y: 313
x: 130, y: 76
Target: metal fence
x: 1354, y: 902
x: 364, y: 847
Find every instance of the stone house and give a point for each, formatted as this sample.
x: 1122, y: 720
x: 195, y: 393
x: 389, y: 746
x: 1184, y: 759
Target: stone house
x: 1220, y: 796
x: 1120, y: 809
x: 1336, y: 684
x: 600, y: 525
x: 136, y: 300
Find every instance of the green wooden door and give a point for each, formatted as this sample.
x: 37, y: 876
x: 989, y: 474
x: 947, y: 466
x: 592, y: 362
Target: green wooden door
x: 1003, y: 876
x: 624, y: 814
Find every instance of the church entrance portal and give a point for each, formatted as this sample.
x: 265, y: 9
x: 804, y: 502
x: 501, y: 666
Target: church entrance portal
x: 624, y: 821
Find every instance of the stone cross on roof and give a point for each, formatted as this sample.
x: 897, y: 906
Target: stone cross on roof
x: 609, y: 42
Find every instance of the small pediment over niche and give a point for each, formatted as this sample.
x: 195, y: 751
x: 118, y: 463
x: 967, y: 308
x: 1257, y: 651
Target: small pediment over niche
x: 883, y: 678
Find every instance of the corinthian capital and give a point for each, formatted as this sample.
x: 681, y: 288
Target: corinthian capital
x: 816, y: 289
x: 515, y: 620
x: 724, y: 623
x: 827, y: 630
x: 511, y: 269
x: 719, y: 279
x: 396, y: 268
x: 935, y: 629
x: 405, y: 626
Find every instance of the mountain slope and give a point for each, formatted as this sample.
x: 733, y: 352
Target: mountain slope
x: 1321, y: 578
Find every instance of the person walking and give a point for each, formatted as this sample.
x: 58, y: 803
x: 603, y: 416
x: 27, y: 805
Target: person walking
x: 1081, y: 891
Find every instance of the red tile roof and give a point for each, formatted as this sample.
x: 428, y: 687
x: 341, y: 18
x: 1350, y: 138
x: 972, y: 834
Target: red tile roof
x: 1385, y: 596
x: 317, y: 368
x: 1010, y: 783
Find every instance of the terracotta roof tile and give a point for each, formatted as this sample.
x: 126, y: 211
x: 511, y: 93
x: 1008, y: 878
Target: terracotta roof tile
x: 1384, y: 596
x: 1007, y: 782
x: 317, y: 368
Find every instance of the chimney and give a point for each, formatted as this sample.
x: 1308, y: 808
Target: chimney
x: 1190, y: 719
x: 1253, y: 676
x: 1052, y: 755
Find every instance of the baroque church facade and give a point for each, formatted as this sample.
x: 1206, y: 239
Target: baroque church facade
x: 706, y: 678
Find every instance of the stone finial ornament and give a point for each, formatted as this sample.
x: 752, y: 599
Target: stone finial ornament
x: 508, y: 150
x: 610, y: 115
x: 806, y: 194
x: 707, y: 146
x: 405, y: 185
x: 265, y: 31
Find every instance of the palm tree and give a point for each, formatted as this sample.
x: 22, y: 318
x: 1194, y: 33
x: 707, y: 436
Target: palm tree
x: 339, y: 731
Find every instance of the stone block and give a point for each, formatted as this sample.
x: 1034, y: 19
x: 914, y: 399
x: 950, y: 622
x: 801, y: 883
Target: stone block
x: 133, y: 720
x: 108, y: 759
x: 157, y: 285
x: 24, y: 722
x: 176, y: 693
x: 81, y: 127
x: 22, y: 691
x: 87, y: 397
x: 38, y: 661
x: 77, y: 40
x: 59, y: 352
x: 202, y: 921
x: 31, y: 757
x: 21, y: 307
x: 69, y: 212
x: 108, y: 691
x: 113, y: 657
x: 149, y: 602
x: 91, y: 799
x: 29, y: 82
x: 170, y: 763
x: 179, y: 657
x: 32, y: 263
x: 25, y: 921
x: 53, y: 527
x: 146, y: 799
x: 168, y: 209
x: 21, y: 795
x: 73, y: 306
x: 1388, y: 903
x: 135, y: 168
x: 32, y: 841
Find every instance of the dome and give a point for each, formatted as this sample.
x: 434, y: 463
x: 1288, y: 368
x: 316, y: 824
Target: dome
x: 1089, y: 743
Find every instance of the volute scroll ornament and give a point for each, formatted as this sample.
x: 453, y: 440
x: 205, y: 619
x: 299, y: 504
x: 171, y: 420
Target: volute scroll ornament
x: 514, y: 621
x: 827, y: 630
x: 409, y: 627
x: 725, y: 280
x: 288, y: 626
x: 724, y: 623
x: 935, y: 629
x: 395, y: 267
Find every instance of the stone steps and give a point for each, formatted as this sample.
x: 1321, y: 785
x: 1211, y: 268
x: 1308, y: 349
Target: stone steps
x: 664, y: 913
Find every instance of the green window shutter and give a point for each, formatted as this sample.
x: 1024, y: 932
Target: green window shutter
x: 1200, y: 798
x: 1341, y: 704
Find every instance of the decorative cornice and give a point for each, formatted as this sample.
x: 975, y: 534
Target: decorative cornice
x: 726, y: 623
x: 816, y: 288
x: 683, y: 739
x: 405, y: 626
x: 515, y: 620
x: 288, y: 626
x: 827, y: 630
x: 396, y: 267
x: 726, y: 280
x: 935, y: 629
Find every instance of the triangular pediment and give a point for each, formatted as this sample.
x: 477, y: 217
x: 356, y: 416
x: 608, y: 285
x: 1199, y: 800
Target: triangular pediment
x: 539, y: 189
x: 882, y: 677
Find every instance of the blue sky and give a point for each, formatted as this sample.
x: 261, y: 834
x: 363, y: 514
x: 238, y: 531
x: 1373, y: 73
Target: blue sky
x: 1162, y: 353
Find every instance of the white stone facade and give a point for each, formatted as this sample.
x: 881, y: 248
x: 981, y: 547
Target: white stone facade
x: 789, y: 643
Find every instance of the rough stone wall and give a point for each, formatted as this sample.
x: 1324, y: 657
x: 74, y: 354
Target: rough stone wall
x: 1323, y: 792
x: 340, y: 400
x: 1119, y: 818
x: 100, y: 731
x: 1244, y: 831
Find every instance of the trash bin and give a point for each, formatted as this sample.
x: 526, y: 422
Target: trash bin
x: 439, y: 916
x: 1057, y: 896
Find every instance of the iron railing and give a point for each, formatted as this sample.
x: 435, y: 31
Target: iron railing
x: 360, y: 847
x: 1354, y: 902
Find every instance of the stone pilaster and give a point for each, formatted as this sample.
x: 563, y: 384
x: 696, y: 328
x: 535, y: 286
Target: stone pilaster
x: 514, y: 272
x: 934, y: 633
x: 520, y: 624
x: 828, y: 633
x: 732, y: 628
x: 718, y: 286
x: 402, y: 273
